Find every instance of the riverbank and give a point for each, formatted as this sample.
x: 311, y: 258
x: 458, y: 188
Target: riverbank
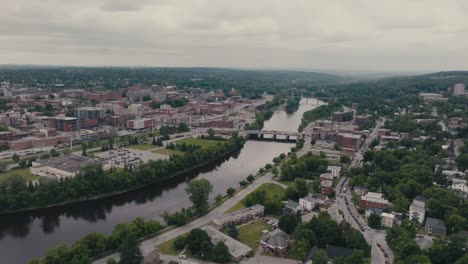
x: 111, y: 194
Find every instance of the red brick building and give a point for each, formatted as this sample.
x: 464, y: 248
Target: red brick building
x: 373, y: 200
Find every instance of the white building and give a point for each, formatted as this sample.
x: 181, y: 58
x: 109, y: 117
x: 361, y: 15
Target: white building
x: 418, y: 209
x: 239, y: 216
x: 387, y: 219
x: 308, y: 202
x: 60, y: 167
x: 334, y: 170
x: 459, y: 185
x: 459, y: 89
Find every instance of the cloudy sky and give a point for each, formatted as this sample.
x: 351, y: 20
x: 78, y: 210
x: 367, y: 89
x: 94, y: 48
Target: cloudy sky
x: 396, y: 35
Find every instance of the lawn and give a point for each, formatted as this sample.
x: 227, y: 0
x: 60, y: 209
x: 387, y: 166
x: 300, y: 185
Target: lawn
x: 168, y: 248
x: 168, y: 152
x: 204, y: 143
x: 250, y: 234
x: 273, y: 191
x: 23, y: 173
x: 143, y: 146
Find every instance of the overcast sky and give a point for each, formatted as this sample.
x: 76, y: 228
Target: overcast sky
x: 396, y: 35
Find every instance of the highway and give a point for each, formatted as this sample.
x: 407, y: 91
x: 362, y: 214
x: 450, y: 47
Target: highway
x: 343, y: 199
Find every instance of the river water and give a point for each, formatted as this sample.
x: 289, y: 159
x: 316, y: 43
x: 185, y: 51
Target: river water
x: 27, y: 235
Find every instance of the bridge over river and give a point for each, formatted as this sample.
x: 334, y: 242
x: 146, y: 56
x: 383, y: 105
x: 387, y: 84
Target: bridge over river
x: 274, y: 135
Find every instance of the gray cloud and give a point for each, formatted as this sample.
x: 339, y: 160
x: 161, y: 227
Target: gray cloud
x: 319, y: 34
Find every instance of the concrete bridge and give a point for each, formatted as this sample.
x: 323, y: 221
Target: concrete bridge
x: 274, y: 135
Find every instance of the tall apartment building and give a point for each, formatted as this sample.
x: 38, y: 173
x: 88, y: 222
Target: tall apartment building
x: 417, y: 209
x: 459, y: 89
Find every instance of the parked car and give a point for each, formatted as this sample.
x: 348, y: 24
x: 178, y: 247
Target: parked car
x: 385, y: 254
x: 183, y: 256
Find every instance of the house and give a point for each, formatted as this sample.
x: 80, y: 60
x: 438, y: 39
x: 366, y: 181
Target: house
x: 435, y: 227
x: 291, y: 207
x: 373, y: 200
x: 275, y: 242
x: 326, y: 187
x: 326, y: 176
x: 332, y: 252
x: 334, y: 170
x: 459, y: 185
x: 387, y: 219
x: 152, y: 258
x: 240, y: 216
x: 417, y: 210
x: 360, y: 190
x: 308, y: 202
x: 236, y: 248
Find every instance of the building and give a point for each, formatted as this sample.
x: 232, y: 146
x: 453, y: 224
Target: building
x: 360, y: 190
x: 459, y: 89
x: 326, y: 187
x: 152, y: 258
x: 459, y: 185
x: 334, y: 170
x: 89, y: 112
x: 342, y: 116
x: 66, y: 124
x: 362, y: 119
x: 387, y: 219
x: 432, y: 97
x: 291, y: 207
x: 308, y: 202
x: 348, y: 141
x: 435, y: 227
x: 236, y: 248
x: 142, y: 123
x: 326, y: 176
x: 60, y: 167
x: 240, y: 216
x: 417, y: 209
x: 275, y: 242
x: 373, y: 200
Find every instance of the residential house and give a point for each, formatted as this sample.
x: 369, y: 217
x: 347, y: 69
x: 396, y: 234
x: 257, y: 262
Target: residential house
x: 275, y: 242
x: 435, y: 227
x: 332, y: 253
x: 326, y: 187
x: 334, y: 170
x: 388, y: 219
x: 308, y: 202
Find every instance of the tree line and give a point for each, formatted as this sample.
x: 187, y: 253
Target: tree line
x: 92, y: 181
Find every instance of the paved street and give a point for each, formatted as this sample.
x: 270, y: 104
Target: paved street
x: 351, y: 215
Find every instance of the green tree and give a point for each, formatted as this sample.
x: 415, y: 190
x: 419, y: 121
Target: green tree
x: 180, y: 242
x: 375, y: 221
x: 230, y: 191
x: 15, y: 158
x: 198, y: 242
x: 96, y: 242
x: 129, y: 250
x: 320, y: 257
x: 219, y: 198
x: 232, y: 231
x: 111, y: 261
x: 199, y: 192
x: 455, y: 223
x: 250, y: 178
x: 302, y: 248
x: 287, y: 223
x: 356, y: 258
x: 301, y: 187
x: 345, y: 159
x: 221, y: 253
x: 57, y: 255
x: 462, y: 162
x: 211, y: 133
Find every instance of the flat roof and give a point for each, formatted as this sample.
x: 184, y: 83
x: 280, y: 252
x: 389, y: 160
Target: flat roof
x: 69, y: 163
x: 236, y: 248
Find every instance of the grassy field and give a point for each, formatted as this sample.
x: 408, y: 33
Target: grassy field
x: 168, y: 152
x: 168, y: 248
x: 143, y: 146
x: 204, y: 143
x: 23, y: 173
x: 250, y: 234
x: 273, y: 191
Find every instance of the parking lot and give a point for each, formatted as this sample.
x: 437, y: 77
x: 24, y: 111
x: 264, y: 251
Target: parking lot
x: 120, y: 157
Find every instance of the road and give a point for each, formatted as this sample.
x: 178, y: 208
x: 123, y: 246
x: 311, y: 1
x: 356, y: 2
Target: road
x: 345, y: 204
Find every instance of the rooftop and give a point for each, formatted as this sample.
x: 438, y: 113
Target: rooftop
x: 69, y: 163
x: 236, y: 248
x: 276, y: 238
x: 435, y: 223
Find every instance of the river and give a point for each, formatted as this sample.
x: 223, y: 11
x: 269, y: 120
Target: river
x: 27, y: 235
